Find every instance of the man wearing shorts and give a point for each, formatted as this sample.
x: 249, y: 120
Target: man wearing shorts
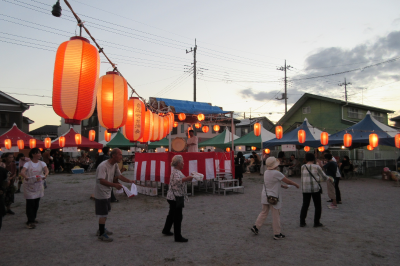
x: 107, y: 176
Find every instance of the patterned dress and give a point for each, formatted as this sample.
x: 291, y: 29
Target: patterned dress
x: 176, y: 186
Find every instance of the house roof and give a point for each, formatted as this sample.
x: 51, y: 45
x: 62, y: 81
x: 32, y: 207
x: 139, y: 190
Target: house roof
x: 45, y: 130
x: 27, y: 120
x: 307, y: 96
x: 396, y: 118
x: 247, y: 121
x: 23, y: 105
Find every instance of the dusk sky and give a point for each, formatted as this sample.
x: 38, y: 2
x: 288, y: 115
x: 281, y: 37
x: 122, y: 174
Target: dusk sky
x: 240, y: 45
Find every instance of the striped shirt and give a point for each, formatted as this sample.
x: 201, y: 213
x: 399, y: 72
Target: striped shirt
x: 308, y: 183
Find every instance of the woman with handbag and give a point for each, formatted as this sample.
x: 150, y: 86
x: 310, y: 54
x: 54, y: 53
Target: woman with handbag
x: 311, y: 176
x: 271, y: 197
x: 177, y: 194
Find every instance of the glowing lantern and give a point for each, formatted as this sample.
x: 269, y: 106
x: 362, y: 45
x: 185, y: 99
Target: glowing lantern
x: 78, y: 139
x: 197, y: 125
x: 257, y: 129
x: 397, y: 140
x: 301, y: 134
x: 373, y: 140
x: 7, y: 144
x: 347, y: 139
x: 253, y: 148
x: 20, y: 144
x: 99, y: 150
x: 160, y: 127
x: 61, y: 141
x: 181, y: 116
x: 155, y: 126
x: 306, y: 149
x: 40, y: 149
x: 107, y: 136
x: 92, y: 135
x: 134, y: 125
x: 321, y: 149
x: 148, y: 127
x: 112, y: 101
x: 228, y: 149
x: 175, y: 124
x: 172, y: 121
x: 370, y: 148
x: 278, y: 132
x: 267, y: 151
x: 324, y: 138
x: 166, y: 126
x: 205, y: 129
x: 216, y: 128
x: 76, y: 73
x: 200, y: 117
x: 47, y: 143
x: 32, y: 143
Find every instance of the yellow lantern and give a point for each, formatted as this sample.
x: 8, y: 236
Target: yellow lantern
x: 205, y: 129
x: 78, y: 139
x: 216, y: 128
x: 61, y: 141
x: 107, y: 136
x: 92, y: 135
x: 181, y: 116
x: 7, y: 144
x: 267, y: 151
x: 253, y: 148
x: 257, y: 129
x: 324, y: 138
x: 301, y: 136
x: 20, y: 144
x: 197, y: 125
x: 47, y: 143
x: 32, y: 143
x: 306, y: 149
x: 278, y: 132
x: 373, y: 140
x: 200, y: 117
x: 347, y: 140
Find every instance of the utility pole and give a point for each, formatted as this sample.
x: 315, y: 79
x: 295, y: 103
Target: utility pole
x: 194, y: 68
x: 284, y: 96
x: 345, y: 88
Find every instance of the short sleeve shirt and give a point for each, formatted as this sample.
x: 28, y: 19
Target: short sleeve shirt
x: 106, y: 171
x: 272, y: 181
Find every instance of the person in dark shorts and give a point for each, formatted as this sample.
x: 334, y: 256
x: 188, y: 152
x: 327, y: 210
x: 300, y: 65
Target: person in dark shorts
x: 102, y: 158
x: 107, y: 176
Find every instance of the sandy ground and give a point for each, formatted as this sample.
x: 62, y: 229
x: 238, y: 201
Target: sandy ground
x: 364, y: 231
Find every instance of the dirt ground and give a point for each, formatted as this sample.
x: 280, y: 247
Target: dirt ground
x: 364, y: 231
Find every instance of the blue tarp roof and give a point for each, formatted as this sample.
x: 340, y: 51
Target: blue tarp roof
x: 189, y: 107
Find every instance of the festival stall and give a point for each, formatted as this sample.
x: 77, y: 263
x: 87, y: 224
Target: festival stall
x: 222, y: 140
x: 15, y: 140
x: 119, y: 141
x: 72, y: 139
x: 251, y: 139
x: 162, y: 143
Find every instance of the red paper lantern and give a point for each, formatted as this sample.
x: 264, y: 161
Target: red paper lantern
x: 160, y: 127
x: 155, y: 127
x: 112, y: 101
x: 99, y: 150
x: 92, y: 135
x: 134, y: 126
x: 267, y: 151
x: 181, y: 116
x: 324, y: 138
x: 278, y: 132
x: 370, y: 148
x: 7, y: 143
x: 47, y: 143
x: 166, y: 126
x: 171, y: 121
x: 253, y: 148
x: 257, y: 129
x: 306, y: 149
x: 373, y: 140
x: 32, y: 143
x: 107, y: 136
x: 205, y: 129
x: 321, y: 149
x: 197, y: 125
x: 20, y: 144
x: 78, y: 139
x: 40, y: 149
x: 216, y: 128
x: 397, y: 140
x: 347, y: 140
x: 61, y: 141
x: 76, y: 73
x: 228, y: 149
x: 301, y: 134
x: 200, y: 117
x: 175, y: 124
x: 148, y: 127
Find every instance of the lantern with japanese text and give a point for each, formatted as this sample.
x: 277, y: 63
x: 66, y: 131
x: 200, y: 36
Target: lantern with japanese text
x: 257, y: 129
x: 347, y: 140
x: 7, y: 143
x: 134, y: 126
x: 76, y: 73
x: 278, y: 132
x: 228, y: 149
x: 301, y: 134
x: 78, y: 139
x: 175, y: 124
x: 216, y: 128
x: 20, y: 144
x: 200, y: 117
x: 205, y: 129
x: 324, y: 138
x: 61, y: 141
x: 253, y: 148
x: 397, y: 140
x: 321, y: 149
x: 32, y: 143
x: 370, y: 148
x: 148, y: 127
x: 197, y: 125
x: 107, y: 136
x: 112, y: 101
x: 306, y: 149
x: 92, y: 135
x: 181, y: 116
x: 373, y: 140
x: 267, y: 151
x: 47, y: 143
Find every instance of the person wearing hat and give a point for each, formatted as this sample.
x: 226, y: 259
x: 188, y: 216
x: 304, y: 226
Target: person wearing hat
x: 272, y: 187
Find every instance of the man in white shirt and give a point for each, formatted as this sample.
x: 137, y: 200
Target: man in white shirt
x: 192, y: 142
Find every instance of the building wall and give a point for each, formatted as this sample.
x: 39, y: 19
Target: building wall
x: 8, y: 119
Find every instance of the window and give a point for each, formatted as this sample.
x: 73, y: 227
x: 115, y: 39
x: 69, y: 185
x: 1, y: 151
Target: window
x: 307, y: 110
x: 378, y: 116
x: 354, y: 113
x: 182, y: 128
x: 4, y: 120
x: 244, y: 131
x: 174, y: 131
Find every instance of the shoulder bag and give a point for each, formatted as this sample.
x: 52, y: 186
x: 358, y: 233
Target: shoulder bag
x: 271, y: 199
x: 320, y: 188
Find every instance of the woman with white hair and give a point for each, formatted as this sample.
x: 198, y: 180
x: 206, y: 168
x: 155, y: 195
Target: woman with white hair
x: 271, y: 198
x: 176, y: 195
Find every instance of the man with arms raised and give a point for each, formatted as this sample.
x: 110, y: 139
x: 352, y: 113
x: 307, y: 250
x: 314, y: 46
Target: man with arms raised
x: 107, y: 176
